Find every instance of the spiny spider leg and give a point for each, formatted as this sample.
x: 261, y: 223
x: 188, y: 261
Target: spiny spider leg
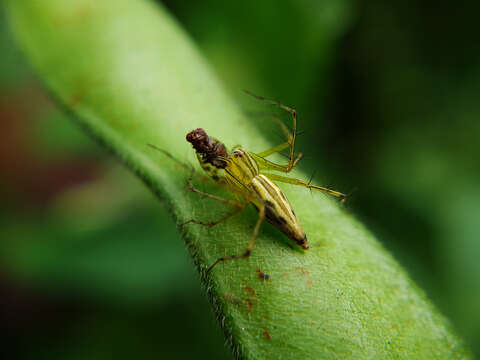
x: 239, y: 207
x: 292, y: 161
x: 170, y: 156
x: 228, y: 202
x: 251, y: 244
x: 281, y: 146
x: 213, y: 223
x: 293, y: 181
x: 182, y: 164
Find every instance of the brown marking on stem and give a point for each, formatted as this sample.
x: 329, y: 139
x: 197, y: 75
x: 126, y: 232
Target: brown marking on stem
x: 249, y: 290
x: 74, y: 101
x: 309, y: 283
x: 304, y: 271
x: 232, y: 298
x: 267, y: 335
x: 249, y: 304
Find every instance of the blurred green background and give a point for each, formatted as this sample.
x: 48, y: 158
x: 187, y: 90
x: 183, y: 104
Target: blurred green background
x: 91, y: 266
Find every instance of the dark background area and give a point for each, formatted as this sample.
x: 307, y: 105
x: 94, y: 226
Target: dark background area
x: 387, y: 95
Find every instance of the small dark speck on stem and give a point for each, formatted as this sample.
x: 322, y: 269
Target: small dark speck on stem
x: 262, y: 275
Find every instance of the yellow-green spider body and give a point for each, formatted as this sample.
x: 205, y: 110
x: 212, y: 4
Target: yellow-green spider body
x: 242, y: 173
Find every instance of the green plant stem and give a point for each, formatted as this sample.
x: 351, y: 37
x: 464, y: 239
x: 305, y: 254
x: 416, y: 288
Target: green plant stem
x: 128, y: 73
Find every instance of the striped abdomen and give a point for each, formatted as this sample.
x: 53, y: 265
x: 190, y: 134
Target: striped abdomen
x: 278, y: 210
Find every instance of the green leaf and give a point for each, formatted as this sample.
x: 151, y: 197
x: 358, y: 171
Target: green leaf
x: 132, y: 77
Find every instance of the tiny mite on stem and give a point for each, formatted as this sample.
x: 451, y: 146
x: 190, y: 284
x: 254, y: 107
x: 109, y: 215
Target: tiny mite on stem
x: 242, y: 173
